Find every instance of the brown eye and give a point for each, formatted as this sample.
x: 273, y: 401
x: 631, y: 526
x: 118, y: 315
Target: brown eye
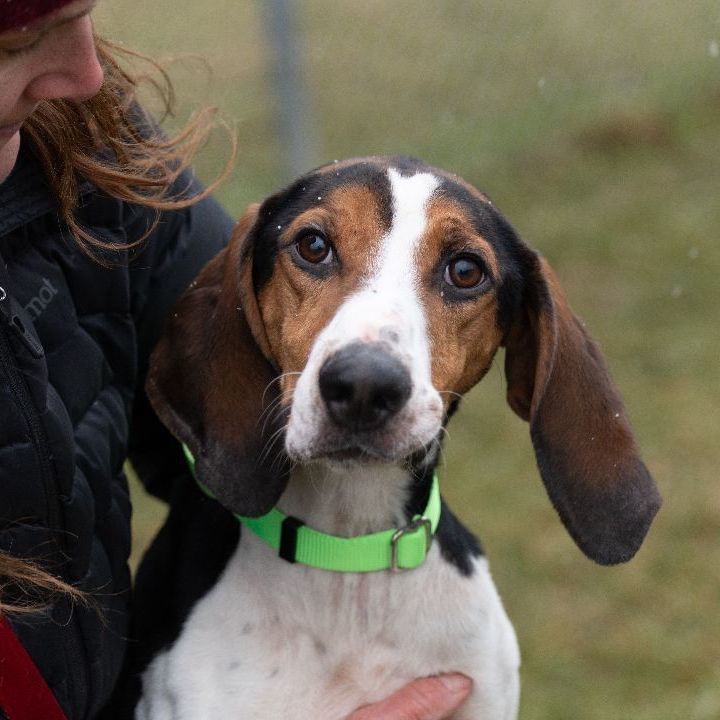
x: 314, y: 248
x: 464, y: 272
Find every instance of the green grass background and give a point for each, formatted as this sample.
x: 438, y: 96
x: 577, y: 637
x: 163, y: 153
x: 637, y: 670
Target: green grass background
x: 596, y: 128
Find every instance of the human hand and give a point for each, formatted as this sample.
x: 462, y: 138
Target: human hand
x: 431, y: 698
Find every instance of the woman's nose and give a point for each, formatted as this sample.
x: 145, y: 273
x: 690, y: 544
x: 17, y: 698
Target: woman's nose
x: 70, y: 67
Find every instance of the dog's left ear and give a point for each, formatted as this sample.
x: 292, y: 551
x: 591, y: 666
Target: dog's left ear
x: 585, y: 449
x: 211, y: 382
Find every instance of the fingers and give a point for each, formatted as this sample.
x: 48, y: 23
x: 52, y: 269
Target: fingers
x: 432, y: 698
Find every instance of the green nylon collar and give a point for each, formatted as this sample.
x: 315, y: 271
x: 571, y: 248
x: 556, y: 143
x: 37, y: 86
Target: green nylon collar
x: 398, y: 549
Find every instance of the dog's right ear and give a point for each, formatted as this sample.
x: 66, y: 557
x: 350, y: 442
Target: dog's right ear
x: 211, y: 382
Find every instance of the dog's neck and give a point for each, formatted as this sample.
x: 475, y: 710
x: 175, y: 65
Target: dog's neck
x: 355, y: 499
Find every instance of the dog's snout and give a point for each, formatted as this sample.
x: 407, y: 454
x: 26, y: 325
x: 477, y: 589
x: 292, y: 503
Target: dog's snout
x: 362, y: 386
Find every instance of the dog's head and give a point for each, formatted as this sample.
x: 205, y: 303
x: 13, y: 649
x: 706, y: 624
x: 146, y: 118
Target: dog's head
x: 348, y: 313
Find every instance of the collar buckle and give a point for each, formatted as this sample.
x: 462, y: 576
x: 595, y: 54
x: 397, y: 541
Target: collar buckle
x: 412, y: 527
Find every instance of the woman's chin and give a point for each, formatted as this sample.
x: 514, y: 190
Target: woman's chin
x: 8, y: 154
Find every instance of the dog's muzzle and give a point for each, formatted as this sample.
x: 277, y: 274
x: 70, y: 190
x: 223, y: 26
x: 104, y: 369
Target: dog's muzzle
x: 363, y: 386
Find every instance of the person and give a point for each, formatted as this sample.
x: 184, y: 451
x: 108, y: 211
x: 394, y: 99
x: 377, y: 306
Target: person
x: 102, y: 226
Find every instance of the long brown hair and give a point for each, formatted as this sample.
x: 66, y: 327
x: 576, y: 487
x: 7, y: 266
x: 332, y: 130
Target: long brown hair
x: 108, y: 141
x: 25, y: 587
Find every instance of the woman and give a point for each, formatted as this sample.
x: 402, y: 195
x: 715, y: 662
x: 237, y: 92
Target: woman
x: 101, y: 228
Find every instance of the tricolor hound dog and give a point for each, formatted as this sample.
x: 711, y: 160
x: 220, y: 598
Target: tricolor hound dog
x: 312, y: 368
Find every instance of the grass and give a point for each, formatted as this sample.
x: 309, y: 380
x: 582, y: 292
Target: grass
x: 595, y: 127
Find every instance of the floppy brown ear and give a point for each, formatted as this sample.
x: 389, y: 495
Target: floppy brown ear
x: 211, y: 383
x: 584, y: 446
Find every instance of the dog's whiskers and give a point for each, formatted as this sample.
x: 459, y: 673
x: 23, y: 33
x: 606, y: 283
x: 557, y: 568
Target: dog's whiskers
x: 445, y: 432
x: 440, y: 451
x: 279, y: 378
x: 268, y: 447
x: 450, y: 392
x: 271, y: 414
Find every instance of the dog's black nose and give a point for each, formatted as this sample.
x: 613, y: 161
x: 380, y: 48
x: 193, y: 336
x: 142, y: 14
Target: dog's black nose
x: 363, y: 386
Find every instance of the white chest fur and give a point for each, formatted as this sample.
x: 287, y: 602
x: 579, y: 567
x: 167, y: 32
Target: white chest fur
x: 274, y: 640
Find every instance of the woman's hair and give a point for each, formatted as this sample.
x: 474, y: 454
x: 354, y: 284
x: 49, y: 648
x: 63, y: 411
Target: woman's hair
x: 109, y: 141
x: 25, y: 587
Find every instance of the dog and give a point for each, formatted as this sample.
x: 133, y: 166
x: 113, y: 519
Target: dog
x: 311, y: 370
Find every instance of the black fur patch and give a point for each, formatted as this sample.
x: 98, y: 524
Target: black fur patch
x: 457, y: 544
x: 280, y: 209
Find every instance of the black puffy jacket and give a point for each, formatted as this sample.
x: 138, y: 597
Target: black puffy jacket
x: 74, y: 341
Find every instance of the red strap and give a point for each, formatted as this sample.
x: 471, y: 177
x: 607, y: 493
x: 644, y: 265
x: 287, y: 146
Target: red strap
x: 24, y: 695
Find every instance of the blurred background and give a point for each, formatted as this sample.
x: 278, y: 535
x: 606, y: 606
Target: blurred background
x: 595, y: 127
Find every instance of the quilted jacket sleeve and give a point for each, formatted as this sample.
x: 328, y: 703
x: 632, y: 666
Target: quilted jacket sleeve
x: 179, y: 246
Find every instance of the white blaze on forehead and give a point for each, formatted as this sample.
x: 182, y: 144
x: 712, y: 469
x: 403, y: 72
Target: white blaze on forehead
x: 389, y: 297
x: 410, y: 195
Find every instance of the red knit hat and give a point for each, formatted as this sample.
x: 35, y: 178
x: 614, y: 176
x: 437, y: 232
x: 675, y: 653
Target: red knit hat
x: 15, y: 14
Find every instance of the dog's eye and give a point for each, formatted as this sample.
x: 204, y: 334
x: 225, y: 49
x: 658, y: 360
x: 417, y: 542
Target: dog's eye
x: 464, y: 272
x: 314, y: 248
